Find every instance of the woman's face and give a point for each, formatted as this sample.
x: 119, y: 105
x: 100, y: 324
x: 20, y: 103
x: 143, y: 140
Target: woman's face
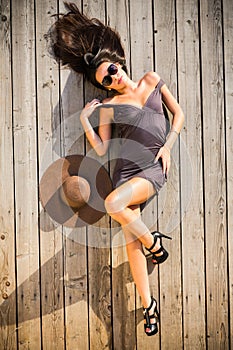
x: 111, y: 75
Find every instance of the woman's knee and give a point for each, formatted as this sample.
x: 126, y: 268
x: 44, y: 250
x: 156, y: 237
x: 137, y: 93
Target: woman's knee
x: 112, y: 204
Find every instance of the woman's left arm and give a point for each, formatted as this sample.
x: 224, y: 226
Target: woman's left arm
x: 177, y: 123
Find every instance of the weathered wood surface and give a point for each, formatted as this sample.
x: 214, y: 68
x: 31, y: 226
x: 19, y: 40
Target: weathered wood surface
x: 228, y: 82
x: 26, y: 173
x: 7, y: 237
x: 65, y: 288
x: 214, y: 175
x: 191, y: 177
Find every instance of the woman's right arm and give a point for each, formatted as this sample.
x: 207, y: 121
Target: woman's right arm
x: 100, y: 141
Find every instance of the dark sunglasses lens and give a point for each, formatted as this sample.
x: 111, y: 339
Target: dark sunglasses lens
x: 107, y: 80
x: 112, y: 69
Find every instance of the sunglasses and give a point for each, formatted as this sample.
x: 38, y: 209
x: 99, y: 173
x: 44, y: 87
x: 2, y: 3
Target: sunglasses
x: 112, y: 70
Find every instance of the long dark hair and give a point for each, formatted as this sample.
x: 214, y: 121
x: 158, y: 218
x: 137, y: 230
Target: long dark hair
x: 83, y: 44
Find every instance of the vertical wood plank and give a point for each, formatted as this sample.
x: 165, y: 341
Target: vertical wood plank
x: 52, y: 305
x: 123, y: 288
x: 191, y: 176
x: 118, y: 18
x: 214, y: 175
x: 75, y: 258
x: 228, y: 60
x: 99, y: 240
x: 25, y: 154
x: 7, y: 241
x: 169, y: 197
x: 141, y: 38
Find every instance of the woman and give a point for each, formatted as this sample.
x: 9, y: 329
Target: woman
x: 89, y: 47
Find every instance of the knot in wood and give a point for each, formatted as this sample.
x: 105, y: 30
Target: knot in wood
x: 5, y: 296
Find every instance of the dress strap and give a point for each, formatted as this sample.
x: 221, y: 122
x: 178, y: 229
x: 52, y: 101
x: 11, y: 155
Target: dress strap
x: 160, y: 84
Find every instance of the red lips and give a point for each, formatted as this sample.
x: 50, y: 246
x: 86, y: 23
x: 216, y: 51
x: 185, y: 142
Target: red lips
x: 120, y: 80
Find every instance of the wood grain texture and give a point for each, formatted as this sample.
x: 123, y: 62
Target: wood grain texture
x: 25, y: 163
x: 98, y: 236
x: 123, y: 289
x: 141, y: 35
x: 74, y: 239
x: 192, y: 214
x: 51, y: 272
x: 169, y: 197
x: 214, y: 175
x: 7, y: 235
x: 228, y: 75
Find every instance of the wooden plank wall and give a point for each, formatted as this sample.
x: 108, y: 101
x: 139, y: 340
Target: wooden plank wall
x: 64, y: 288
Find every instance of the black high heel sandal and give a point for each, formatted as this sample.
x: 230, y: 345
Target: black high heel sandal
x: 151, y: 328
x: 158, y: 259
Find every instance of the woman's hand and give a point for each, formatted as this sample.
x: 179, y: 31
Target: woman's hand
x: 89, y: 108
x: 164, y: 153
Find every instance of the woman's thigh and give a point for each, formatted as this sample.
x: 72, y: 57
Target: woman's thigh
x: 133, y: 192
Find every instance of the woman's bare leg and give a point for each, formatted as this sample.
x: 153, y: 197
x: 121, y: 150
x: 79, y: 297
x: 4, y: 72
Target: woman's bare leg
x: 138, y: 263
x: 118, y: 205
x: 138, y: 266
x: 123, y: 206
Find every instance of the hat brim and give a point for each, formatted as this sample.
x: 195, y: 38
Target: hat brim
x: 53, y: 178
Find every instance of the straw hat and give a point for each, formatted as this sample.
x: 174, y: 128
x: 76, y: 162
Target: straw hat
x: 73, y: 189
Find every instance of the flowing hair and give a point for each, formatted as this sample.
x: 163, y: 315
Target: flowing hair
x: 83, y: 44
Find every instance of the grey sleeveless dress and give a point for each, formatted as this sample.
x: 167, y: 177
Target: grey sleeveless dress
x: 143, y: 132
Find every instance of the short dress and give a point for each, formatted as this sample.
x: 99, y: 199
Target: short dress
x: 143, y: 132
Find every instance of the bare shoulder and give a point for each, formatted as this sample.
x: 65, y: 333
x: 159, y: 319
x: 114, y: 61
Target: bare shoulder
x: 151, y: 78
x: 106, y: 114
